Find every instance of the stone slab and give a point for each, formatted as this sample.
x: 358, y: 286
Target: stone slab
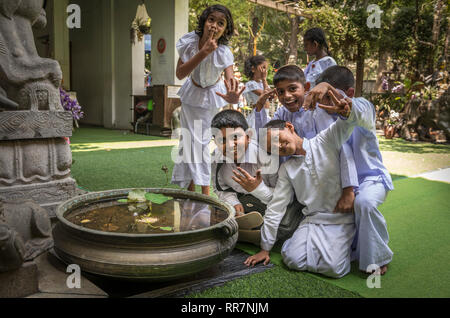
x: 16, y: 125
x: 53, y: 280
x: 48, y: 195
x: 21, y: 282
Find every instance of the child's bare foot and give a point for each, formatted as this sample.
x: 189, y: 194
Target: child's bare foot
x: 383, y: 270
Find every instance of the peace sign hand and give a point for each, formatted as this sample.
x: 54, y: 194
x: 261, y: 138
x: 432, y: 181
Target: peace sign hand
x: 247, y: 182
x: 210, y: 44
x: 342, y: 107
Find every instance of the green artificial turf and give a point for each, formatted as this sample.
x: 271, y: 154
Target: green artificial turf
x: 417, y: 214
x: 122, y: 168
x: 91, y: 134
x: 276, y: 282
x: 418, y: 218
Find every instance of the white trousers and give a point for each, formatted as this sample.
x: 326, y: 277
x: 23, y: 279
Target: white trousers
x: 194, y: 152
x: 320, y: 248
x: 371, y: 240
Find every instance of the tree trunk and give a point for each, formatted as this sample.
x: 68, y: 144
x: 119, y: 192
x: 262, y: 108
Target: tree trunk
x: 435, y: 34
x: 252, y: 42
x: 291, y: 56
x: 360, y: 57
x: 382, y: 65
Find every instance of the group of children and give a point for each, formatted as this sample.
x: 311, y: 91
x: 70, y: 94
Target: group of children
x: 322, y: 200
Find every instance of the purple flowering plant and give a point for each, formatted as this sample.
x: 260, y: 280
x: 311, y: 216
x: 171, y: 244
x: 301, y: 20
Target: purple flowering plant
x: 71, y: 105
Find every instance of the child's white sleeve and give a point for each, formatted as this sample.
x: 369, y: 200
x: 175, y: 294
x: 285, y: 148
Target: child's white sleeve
x: 341, y: 130
x: 263, y: 193
x: 365, y: 113
x: 186, y: 46
x: 282, y: 196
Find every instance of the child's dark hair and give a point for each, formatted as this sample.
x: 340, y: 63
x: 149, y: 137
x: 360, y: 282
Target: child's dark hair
x: 229, y: 119
x: 291, y: 73
x: 337, y: 76
x: 251, y: 62
x: 229, y: 31
x: 317, y: 35
x: 276, y: 123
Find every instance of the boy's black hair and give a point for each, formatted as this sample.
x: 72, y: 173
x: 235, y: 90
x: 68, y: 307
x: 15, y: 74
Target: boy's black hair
x: 229, y: 119
x: 229, y: 30
x: 337, y: 76
x: 253, y: 61
x: 276, y: 123
x: 317, y: 34
x: 290, y: 73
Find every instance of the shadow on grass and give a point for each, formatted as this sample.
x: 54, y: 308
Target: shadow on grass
x: 400, y: 145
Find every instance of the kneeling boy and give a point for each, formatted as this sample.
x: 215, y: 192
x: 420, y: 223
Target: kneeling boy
x: 322, y: 242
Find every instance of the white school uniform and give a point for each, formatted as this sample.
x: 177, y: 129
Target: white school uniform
x: 308, y: 124
x: 255, y: 119
x: 372, y: 238
x: 251, y: 164
x: 322, y: 242
x: 315, y: 68
x: 199, y: 103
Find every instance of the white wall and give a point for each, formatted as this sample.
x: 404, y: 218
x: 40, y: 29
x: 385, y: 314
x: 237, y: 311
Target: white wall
x: 170, y: 22
x: 102, y: 55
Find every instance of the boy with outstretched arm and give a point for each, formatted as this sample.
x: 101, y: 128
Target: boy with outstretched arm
x: 371, y: 239
x: 290, y: 87
x: 322, y: 242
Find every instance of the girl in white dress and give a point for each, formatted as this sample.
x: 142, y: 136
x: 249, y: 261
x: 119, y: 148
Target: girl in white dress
x: 204, y: 56
x: 315, y: 44
x: 256, y: 70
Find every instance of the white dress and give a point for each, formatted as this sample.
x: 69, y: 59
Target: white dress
x: 315, y: 68
x: 255, y: 119
x: 198, y: 107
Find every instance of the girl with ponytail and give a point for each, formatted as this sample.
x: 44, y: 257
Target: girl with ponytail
x: 315, y: 44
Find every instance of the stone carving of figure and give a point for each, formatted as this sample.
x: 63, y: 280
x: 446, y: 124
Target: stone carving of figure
x: 25, y: 233
x: 27, y: 81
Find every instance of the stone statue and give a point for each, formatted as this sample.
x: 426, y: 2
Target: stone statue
x: 25, y: 233
x: 35, y: 159
x: 27, y: 81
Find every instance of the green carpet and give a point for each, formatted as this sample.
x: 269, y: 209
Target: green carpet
x: 419, y: 238
x: 124, y: 168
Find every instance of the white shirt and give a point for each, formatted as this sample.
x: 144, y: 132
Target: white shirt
x: 313, y: 178
x: 251, y: 164
x: 315, y: 68
x: 207, y: 74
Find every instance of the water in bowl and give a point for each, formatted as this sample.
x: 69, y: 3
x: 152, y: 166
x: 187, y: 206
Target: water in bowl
x: 176, y: 215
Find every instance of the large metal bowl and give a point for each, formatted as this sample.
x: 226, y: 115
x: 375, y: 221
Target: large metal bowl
x: 153, y: 257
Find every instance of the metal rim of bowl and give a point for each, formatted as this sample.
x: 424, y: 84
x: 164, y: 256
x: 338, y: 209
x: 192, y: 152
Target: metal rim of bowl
x: 63, y: 208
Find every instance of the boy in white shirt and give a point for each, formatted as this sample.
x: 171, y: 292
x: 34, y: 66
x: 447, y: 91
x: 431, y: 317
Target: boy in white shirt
x: 239, y: 176
x: 322, y: 242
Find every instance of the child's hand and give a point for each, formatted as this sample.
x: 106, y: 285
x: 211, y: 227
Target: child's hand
x: 233, y: 92
x: 346, y: 201
x: 342, y: 107
x: 210, y: 44
x: 267, y: 94
x: 315, y: 95
x: 239, y: 209
x: 257, y: 258
x: 247, y: 182
x: 263, y: 71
